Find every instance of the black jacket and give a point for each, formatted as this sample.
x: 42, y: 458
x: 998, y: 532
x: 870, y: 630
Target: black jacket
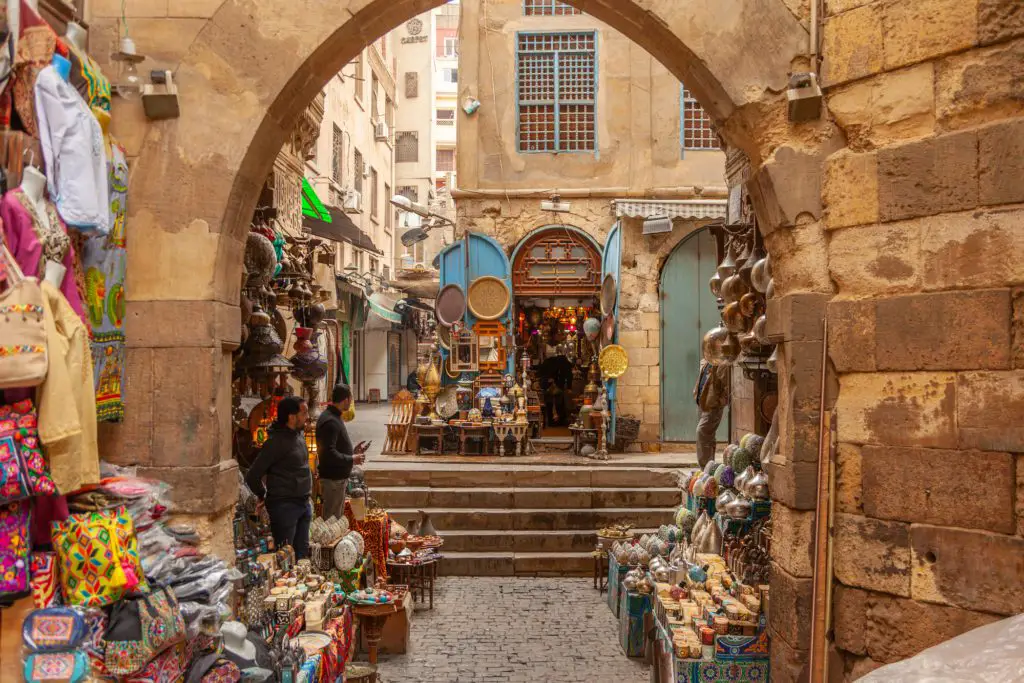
x: 285, y: 462
x: 333, y: 445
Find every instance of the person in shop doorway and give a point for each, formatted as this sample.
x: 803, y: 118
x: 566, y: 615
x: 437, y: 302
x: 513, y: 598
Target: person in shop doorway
x: 712, y: 396
x: 335, y: 451
x: 284, y: 463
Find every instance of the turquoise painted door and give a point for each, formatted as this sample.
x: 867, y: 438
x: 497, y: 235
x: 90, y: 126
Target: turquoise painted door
x: 688, y: 310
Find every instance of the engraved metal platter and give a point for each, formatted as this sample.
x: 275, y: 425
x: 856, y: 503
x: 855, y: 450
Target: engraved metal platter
x: 444, y: 337
x: 608, y: 294
x: 608, y: 329
x: 450, y: 305
x: 613, y: 361
x: 489, y: 297
x: 447, y: 403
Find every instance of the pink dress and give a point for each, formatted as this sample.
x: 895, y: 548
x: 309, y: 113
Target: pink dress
x: 30, y: 244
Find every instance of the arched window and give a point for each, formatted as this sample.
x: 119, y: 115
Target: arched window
x: 556, y: 260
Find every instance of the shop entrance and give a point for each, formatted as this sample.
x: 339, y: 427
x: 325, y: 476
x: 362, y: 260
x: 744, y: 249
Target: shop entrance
x: 556, y: 278
x: 688, y: 311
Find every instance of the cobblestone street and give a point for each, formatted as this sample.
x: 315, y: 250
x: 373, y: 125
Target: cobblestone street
x: 508, y: 629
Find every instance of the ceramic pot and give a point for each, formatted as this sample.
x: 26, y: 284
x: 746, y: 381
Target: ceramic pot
x: 427, y: 526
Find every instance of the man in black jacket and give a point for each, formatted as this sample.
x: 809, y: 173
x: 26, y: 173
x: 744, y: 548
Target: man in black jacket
x: 285, y: 463
x: 335, y: 452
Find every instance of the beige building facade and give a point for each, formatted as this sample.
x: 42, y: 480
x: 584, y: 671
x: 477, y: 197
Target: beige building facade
x: 626, y: 146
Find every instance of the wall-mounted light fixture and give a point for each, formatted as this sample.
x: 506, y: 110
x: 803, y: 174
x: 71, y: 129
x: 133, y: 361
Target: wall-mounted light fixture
x: 555, y: 204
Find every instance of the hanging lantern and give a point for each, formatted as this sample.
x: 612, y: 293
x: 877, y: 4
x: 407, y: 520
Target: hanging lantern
x: 728, y: 265
x: 715, y: 284
x: 720, y: 347
x: 773, y: 361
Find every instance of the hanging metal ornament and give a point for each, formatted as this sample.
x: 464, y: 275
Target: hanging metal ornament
x: 769, y: 292
x: 759, y: 329
x: 773, y: 361
x: 733, y: 288
x: 733, y: 318
x: 719, y: 347
x: 759, y: 275
x: 728, y: 265
x: 715, y: 284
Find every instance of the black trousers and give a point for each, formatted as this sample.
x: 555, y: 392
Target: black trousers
x: 289, y: 523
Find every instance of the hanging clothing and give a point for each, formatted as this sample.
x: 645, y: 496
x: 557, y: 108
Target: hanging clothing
x: 31, y: 242
x: 87, y: 78
x: 67, y: 404
x: 104, y: 258
x: 76, y: 165
x: 36, y: 45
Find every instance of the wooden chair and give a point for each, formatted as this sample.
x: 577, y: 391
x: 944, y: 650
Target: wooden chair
x: 403, y: 408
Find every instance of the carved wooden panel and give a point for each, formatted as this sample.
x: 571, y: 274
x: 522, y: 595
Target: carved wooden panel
x: 556, y: 262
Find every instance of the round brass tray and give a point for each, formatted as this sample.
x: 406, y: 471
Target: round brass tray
x: 608, y: 329
x: 489, y: 297
x: 613, y: 361
x: 444, y: 337
x: 608, y: 294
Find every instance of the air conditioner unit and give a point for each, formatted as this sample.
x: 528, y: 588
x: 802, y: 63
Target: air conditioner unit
x: 380, y: 131
x: 353, y: 201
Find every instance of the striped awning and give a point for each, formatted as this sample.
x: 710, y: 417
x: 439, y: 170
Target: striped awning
x: 669, y: 208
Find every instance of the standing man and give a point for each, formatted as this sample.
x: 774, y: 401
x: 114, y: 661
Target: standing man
x: 712, y: 396
x: 334, y: 449
x: 284, y: 462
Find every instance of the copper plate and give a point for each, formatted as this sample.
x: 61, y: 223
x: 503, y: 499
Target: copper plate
x: 608, y: 329
x: 489, y: 297
x: 444, y: 337
x: 608, y: 294
x: 450, y: 305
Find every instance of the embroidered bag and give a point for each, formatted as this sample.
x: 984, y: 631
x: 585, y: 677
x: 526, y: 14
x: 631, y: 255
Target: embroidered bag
x: 23, y: 469
x: 99, y: 557
x: 72, y: 667
x: 15, y: 527
x: 53, y: 629
x: 168, y: 667
x: 141, y: 627
x: 45, y: 587
x: 23, y: 359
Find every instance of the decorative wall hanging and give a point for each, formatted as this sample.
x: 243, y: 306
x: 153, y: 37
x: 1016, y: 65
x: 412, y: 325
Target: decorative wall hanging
x: 489, y: 297
x: 450, y: 305
x: 444, y: 337
x: 609, y: 294
x: 613, y: 360
x: 465, y: 355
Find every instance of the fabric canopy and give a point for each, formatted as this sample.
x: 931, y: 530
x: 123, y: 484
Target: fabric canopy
x: 340, y: 229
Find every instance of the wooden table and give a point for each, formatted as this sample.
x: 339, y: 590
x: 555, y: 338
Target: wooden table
x: 419, y: 576
x: 517, y: 430
x: 372, y: 618
x: 582, y: 436
x: 482, y: 432
x: 600, y: 569
x: 429, y: 432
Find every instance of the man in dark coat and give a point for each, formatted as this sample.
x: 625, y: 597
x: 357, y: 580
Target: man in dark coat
x: 335, y: 452
x: 284, y: 462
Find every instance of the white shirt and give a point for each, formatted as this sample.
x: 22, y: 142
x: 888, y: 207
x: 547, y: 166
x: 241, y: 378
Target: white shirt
x: 76, y: 163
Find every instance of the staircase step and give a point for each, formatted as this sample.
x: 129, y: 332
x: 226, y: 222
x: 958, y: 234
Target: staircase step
x: 528, y: 519
x: 531, y: 497
x: 494, y: 476
x: 557, y: 540
x: 517, y: 564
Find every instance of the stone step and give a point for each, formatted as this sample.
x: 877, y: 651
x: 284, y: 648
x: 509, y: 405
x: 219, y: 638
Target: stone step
x: 530, y: 497
x: 517, y: 564
x: 557, y: 540
x: 532, y: 519
x: 439, y: 475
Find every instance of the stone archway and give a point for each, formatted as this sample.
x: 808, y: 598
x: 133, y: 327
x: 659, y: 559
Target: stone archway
x: 883, y: 217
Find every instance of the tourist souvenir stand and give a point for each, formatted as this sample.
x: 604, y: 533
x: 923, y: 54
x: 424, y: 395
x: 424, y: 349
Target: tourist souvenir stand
x: 694, y: 596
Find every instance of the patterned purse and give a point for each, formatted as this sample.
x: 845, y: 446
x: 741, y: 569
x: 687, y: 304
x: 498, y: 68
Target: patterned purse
x: 23, y: 469
x: 53, y: 629
x: 99, y: 557
x: 15, y: 527
x: 23, y: 359
x: 72, y: 667
x: 45, y: 586
x: 141, y: 627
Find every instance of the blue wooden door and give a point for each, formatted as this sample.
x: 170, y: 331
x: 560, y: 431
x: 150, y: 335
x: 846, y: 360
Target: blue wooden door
x: 688, y: 311
x: 611, y: 264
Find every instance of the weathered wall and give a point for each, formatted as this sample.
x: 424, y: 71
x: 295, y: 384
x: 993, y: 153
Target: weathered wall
x: 895, y: 215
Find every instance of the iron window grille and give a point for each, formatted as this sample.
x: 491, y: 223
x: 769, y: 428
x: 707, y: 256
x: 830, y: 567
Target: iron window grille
x: 373, y: 193
x: 336, y: 155
x: 358, y: 173
x: 696, y: 128
x: 407, y: 146
x: 548, y: 8
x: 556, y: 92
x: 412, y: 84
x: 445, y: 160
x: 410, y: 192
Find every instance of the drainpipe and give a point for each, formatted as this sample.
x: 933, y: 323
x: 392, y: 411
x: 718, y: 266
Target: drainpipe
x: 691, y: 191
x: 812, y: 46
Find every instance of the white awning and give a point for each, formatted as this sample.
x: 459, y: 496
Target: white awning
x: 669, y: 208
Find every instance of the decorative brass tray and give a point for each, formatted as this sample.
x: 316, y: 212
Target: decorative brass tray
x: 489, y: 297
x: 613, y: 361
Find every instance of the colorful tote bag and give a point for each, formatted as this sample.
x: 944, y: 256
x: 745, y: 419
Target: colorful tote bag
x: 23, y: 469
x: 141, y: 627
x: 15, y: 527
x: 99, y: 557
x: 53, y: 629
x: 44, y: 582
x: 70, y: 667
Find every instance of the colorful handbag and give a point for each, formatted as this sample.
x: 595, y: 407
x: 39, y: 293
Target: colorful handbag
x: 23, y: 469
x: 15, y: 527
x: 23, y: 359
x: 168, y: 667
x: 71, y: 667
x: 99, y: 557
x: 53, y: 629
x: 141, y: 627
x: 44, y: 583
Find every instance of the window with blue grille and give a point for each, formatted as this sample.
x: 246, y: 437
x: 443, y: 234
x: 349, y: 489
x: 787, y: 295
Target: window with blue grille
x: 696, y: 129
x: 556, y: 83
x: 548, y: 8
